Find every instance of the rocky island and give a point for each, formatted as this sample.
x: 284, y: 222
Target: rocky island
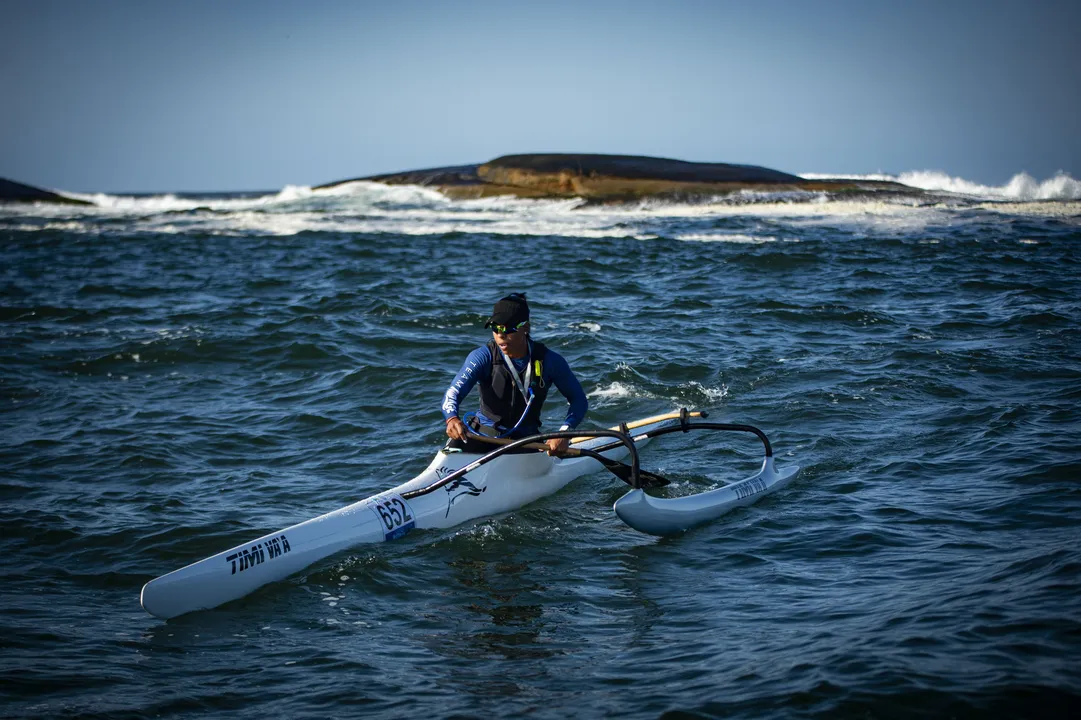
x: 594, y: 178
x: 612, y: 179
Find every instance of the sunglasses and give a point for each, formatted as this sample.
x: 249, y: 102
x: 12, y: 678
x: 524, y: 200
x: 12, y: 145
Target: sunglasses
x: 507, y: 329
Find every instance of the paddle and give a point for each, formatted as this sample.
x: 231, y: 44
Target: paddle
x: 650, y: 421
x: 619, y: 469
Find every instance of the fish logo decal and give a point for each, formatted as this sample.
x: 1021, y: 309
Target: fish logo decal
x: 457, y: 489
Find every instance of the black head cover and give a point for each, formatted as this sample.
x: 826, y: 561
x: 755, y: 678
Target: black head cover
x: 510, y: 311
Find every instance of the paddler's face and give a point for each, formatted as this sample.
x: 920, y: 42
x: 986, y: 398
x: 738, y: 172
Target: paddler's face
x: 514, y: 344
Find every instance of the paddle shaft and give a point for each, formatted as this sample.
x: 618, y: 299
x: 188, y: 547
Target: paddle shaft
x: 568, y: 452
x: 650, y: 421
x: 617, y: 468
x: 501, y: 441
x: 573, y: 452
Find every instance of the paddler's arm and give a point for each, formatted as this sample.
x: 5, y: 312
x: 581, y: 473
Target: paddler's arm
x: 578, y: 405
x: 477, y: 365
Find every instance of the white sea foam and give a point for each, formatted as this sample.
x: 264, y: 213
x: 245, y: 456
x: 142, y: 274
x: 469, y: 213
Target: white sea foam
x: 289, y: 194
x: 128, y: 203
x: 85, y: 228
x: 378, y: 192
x: 1021, y: 187
x: 293, y: 192
x: 855, y: 176
x: 621, y: 390
x: 726, y: 237
x: 712, y: 393
x: 615, y: 391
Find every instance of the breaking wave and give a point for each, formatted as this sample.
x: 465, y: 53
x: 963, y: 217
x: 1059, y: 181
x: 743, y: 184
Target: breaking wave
x: 690, y: 394
x: 1021, y: 187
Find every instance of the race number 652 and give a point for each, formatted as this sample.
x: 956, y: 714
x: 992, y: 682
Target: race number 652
x: 395, y: 514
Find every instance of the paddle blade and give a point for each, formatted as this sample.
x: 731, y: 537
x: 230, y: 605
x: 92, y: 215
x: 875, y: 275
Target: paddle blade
x: 648, y: 479
x: 623, y: 471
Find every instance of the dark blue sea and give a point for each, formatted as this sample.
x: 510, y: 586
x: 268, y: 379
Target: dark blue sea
x: 179, y: 374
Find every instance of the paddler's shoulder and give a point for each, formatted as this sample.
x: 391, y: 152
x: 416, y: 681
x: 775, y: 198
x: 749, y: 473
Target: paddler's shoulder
x: 481, y: 355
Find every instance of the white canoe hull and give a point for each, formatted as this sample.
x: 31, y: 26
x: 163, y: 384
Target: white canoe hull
x: 500, y: 486
x: 669, y: 516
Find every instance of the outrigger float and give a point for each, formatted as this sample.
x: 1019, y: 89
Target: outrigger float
x: 457, y: 487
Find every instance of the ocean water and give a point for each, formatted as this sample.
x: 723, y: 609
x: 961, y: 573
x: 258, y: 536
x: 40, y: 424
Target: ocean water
x: 179, y: 374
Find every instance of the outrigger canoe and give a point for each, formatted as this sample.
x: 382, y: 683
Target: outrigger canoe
x: 455, y: 488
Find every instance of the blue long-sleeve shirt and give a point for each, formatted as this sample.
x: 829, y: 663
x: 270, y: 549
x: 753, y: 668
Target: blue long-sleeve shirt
x: 556, y: 370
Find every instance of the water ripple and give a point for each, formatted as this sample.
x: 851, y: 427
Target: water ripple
x: 178, y: 379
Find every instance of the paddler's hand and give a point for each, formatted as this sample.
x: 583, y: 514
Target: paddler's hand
x: 456, y: 429
x: 558, y: 446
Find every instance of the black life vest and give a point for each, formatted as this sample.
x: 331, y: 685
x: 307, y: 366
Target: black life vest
x: 500, y: 398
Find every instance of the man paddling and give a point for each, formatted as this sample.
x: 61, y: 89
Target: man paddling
x: 514, y: 373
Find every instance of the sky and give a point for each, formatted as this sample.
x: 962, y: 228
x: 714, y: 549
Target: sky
x: 119, y: 96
